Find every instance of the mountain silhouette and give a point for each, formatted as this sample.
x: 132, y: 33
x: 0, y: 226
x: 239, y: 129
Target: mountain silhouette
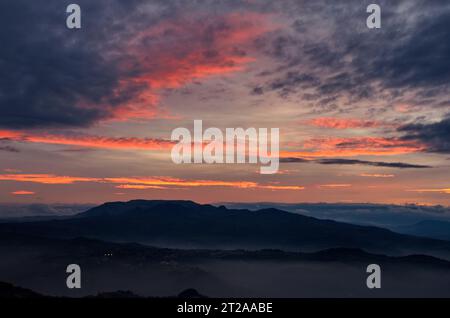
x: 186, y: 224
x: 10, y: 291
x: 427, y: 228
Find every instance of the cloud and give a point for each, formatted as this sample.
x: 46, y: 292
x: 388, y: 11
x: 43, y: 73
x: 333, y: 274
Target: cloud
x: 114, y: 66
x: 4, y: 143
x: 45, y: 178
x: 151, y: 182
x: 89, y: 141
x: 444, y: 191
x: 10, y: 170
x: 339, y: 161
x: 436, y: 136
x: 139, y: 187
x: 352, y: 146
x: 293, y: 160
x: 337, y: 185
x: 23, y: 192
x: 377, y: 175
x: 168, y: 181
x: 343, y: 123
x: 421, y: 58
x: 328, y: 53
x: 51, y: 76
x: 191, y: 47
x: 9, y: 149
x: 270, y: 187
x: 143, y: 182
x: 208, y: 183
x: 400, y: 165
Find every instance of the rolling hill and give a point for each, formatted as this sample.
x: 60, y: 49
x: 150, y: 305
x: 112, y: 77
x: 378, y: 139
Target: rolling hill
x: 185, y: 224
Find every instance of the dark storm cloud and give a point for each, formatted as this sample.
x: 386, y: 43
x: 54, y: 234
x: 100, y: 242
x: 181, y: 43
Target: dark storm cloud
x: 332, y: 45
x: 400, y: 165
x: 339, y: 161
x: 4, y: 145
x: 423, y: 58
x: 53, y: 76
x: 8, y: 149
x: 293, y: 160
x: 436, y: 136
x: 292, y: 81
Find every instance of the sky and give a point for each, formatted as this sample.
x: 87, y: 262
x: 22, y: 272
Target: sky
x: 86, y: 115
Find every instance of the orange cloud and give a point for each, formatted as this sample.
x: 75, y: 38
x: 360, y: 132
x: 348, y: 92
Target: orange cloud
x: 193, y: 48
x: 336, y: 185
x: 139, y: 187
x: 103, y: 142
x: 271, y: 187
x: 344, y: 123
x: 45, y: 178
x: 143, y: 182
x: 444, y: 191
x: 403, y: 108
x: 208, y: 183
x: 176, y: 52
x: 89, y: 141
x: 10, y: 134
x: 151, y: 182
x: 334, y: 146
x: 167, y: 181
x: 22, y: 192
x: 377, y: 175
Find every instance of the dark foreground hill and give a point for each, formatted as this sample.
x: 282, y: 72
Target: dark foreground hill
x: 185, y: 224
x: 9, y: 291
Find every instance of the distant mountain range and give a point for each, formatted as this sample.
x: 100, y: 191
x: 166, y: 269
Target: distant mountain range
x: 381, y: 215
x: 428, y: 228
x: 185, y: 224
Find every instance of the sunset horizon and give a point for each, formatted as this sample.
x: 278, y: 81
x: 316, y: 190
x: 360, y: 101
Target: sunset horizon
x: 87, y: 114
